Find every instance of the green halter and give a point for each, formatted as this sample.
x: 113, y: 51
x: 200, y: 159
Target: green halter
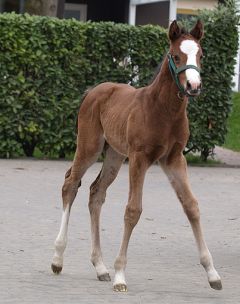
x: 176, y: 71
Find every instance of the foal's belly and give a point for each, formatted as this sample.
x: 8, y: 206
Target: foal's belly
x: 115, y: 135
x: 119, y: 146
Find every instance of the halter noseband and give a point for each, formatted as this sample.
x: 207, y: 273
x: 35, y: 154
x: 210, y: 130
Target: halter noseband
x: 176, y: 71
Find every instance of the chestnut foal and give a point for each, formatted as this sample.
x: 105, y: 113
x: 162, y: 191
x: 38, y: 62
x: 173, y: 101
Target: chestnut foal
x: 145, y: 125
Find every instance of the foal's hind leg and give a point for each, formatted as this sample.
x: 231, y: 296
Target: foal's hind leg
x: 111, y: 166
x: 88, y: 149
x: 177, y: 173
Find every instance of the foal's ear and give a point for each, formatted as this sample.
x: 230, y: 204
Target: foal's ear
x: 174, y: 31
x: 197, y: 31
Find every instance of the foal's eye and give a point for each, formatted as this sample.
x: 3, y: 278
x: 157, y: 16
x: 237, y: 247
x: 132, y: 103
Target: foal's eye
x: 176, y: 58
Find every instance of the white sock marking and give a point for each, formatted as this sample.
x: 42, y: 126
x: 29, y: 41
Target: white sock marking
x: 119, y: 278
x: 61, y: 240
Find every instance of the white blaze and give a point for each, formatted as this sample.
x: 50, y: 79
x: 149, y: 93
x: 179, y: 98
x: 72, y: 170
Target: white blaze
x: 190, y: 48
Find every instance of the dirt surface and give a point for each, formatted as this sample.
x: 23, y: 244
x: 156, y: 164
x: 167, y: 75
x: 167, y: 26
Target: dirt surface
x: 163, y: 265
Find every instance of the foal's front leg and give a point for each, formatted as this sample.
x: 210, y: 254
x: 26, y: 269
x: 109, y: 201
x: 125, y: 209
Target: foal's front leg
x: 176, y: 171
x: 138, y: 164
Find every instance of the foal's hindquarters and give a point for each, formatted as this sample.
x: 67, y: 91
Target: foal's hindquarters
x: 93, y: 129
x: 90, y: 144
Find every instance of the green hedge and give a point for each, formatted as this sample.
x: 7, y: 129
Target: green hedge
x: 46, y: 64
x: 209, y: 112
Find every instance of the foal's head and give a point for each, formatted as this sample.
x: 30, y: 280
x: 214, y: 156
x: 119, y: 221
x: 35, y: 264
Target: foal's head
x: 186, y: 53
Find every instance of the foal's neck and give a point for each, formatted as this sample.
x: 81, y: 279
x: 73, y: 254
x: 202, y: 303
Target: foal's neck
x: 165, y: 93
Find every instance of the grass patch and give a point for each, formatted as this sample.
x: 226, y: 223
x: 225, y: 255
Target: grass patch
x: 192, y: 159
x: 39, y: 155
x: 233, y: 136
x: 195, y: 160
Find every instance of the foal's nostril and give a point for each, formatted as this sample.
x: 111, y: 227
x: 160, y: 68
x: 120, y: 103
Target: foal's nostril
x: 193, y: 89
x: 189, y: 87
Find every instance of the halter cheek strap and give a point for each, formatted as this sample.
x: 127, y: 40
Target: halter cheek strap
x: 176, y: 71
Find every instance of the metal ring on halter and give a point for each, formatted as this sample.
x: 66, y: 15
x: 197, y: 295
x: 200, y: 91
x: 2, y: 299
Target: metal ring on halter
x: 180, y: 95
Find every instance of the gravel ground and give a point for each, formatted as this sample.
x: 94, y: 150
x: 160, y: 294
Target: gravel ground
x: 163, y: 265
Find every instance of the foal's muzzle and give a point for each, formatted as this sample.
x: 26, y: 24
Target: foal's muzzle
x: 193, y: 90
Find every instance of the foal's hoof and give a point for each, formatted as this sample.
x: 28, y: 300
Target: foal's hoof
x: 216, y: 284
x: 104, y: 277
x: 56, y: 269
x: 120, y: 287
